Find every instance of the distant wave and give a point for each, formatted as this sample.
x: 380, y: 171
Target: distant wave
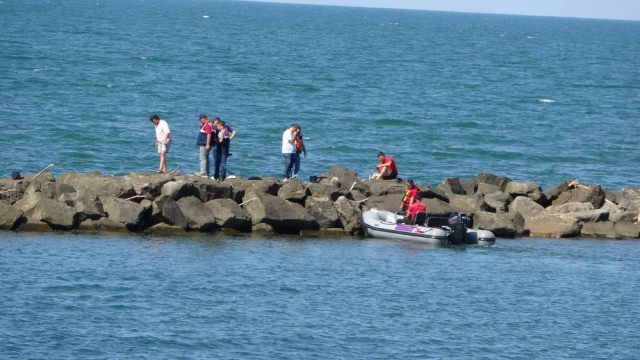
x: 467, y: 125
x: 394, y: 122
x: 547, y: 101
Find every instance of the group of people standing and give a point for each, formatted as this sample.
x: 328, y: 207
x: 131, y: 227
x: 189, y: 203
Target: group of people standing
x: 216, y: 135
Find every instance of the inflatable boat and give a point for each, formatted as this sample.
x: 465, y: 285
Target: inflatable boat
x: 437, y: 230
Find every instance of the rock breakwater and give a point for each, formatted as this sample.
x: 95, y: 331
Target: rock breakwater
x: 332, y: 204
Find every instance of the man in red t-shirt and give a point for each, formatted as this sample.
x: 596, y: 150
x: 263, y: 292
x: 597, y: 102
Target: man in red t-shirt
x: 409, y: 195
x: 387, y: 168
x: 415, y: 207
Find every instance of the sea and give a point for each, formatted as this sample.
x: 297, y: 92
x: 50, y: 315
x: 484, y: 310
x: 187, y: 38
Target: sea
x: 537, y: 99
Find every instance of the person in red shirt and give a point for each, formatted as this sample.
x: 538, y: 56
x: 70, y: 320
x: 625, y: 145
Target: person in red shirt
x: 387, y: 168
x: 409, y: 195
x: 415, y: 207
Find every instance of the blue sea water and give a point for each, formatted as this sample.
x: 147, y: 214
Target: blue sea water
x: 533, y: 98
x: 222, y: 297
x: 447, y: 94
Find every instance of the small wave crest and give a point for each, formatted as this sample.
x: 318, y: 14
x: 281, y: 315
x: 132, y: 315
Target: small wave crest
x: 394, y: 122
x: 546, y: 101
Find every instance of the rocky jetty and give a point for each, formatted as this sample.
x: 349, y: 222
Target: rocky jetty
x: 332, y: 204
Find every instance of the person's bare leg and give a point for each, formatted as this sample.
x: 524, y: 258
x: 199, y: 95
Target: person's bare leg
x: 163, y: 161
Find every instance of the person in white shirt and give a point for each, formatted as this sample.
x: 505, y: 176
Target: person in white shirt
x: 163, y: 139
x: 289, y: 149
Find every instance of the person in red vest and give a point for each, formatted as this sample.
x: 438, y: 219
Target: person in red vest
x: 415, y: 207
x: 387, y: 168
x: 409, y: 195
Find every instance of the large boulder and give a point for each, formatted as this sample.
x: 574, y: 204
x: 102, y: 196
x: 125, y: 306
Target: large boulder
x: 437, y: 207
x: 348, y: 180
x: 496, y: 202
x: 13, y: 190
x: 10, y: 217
x: 484, y: 189
x: 199, y: 216
x: 552, y: 225
x: 350, y: 215
x: 525, y: 206
x: 610, y: 229
x: 207, y: 189
x: 293, y: 191
x: 229, y: 215
x: 125, y: 212
x: 87, y: 206
x: 569, y: 208
x: 179, y: 189
x: 469, y: 185
x: 389, y: 202
x: 452, y: 186
x: 499, y: 224
x: 466, y: 203
x: 592, y: 194
x: 499, y: 181
x: 259, y: 186
x: 528, y: 189
x: 165, y: 210
x: 553, y: 192
x: 331, y: 192
x: 323, y: 211
x: 55, y: 213
x: 101, y: 224
x: 147, y: 185
x: 51, y: 189
x: 590, y: 216
x: 623, y: 216
x: 381, y: 188
x: 283, y: 216
x: 102, y: 186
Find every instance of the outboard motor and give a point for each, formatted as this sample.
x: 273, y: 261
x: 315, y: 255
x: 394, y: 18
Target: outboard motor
x: 458, y: 222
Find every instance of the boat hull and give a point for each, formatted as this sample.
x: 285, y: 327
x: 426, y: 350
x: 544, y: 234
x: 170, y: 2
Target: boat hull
x: 382, y: 224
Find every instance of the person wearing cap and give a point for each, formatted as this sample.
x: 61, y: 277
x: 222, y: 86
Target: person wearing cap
x: 387, y: 169
x: 415, y: 207
x: 204, y: 143
x: 410, y: 194
x: 163, y: 140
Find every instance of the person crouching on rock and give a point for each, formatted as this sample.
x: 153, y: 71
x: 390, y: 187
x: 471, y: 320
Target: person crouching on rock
x: 387, y: 168
x: 415, y: 207
x: 409, y: 195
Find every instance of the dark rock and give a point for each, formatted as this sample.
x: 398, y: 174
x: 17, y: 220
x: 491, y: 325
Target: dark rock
x: 610, y: 229
x: 592, y: 194
x: 179, y: 189
x: 438, y: 207
x: 323, y: 211
x: 10, y: 217
x: 624, y: 216
x: 590, y: 216
x: 356, y: 195
x: 569, y: 208
x: 55, y: 213
x: 263, y: 228
x: 229, y: 214
x: 13, y: 190
x: 199, y: 216
x: 85, y: 205
x: 451, y: 186
x: 499, y: 224
x: 348, y: 180
x: 51, y: 189
x: 283, y: 216
x: 469, y: 185
x: 125, y: 212
x: 147, y: 185
x: 552, y: 225
x: 496, y: 202
x: 31, y: 224
x: 553, y: 192
x: 164, y: 229
x: 293, y: 191
x: 265, y: 186
x: 390, y: 202
x: 487, y: 178
x: 102, y: 186
x: 528, y: 189
x: 350, y: 215
x: 466, y: 203
x: 525, y: 206
x: 165, y: 210
x: 484, y: 189
x: 610, y: 195
x: 381, y: 188
x: 428, y: 192
x: 101, y: 224
x: 330, y: 192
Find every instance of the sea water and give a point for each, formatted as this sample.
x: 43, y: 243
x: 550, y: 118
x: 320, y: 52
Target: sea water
x: 536, y: 99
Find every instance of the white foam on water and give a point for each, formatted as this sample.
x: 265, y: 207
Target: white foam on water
x: 109, y: 85
x: 205, y: 16
x: 39, y: 69
x: 529, y: 37
x: 547, y: 101
x: 143, y: 57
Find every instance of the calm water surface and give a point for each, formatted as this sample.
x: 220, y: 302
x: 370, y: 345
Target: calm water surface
x: 201, y: 297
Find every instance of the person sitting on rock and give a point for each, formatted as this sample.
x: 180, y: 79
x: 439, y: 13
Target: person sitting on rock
x: 387, y: 168
x: 415, y: 207
x: 409, y: 195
